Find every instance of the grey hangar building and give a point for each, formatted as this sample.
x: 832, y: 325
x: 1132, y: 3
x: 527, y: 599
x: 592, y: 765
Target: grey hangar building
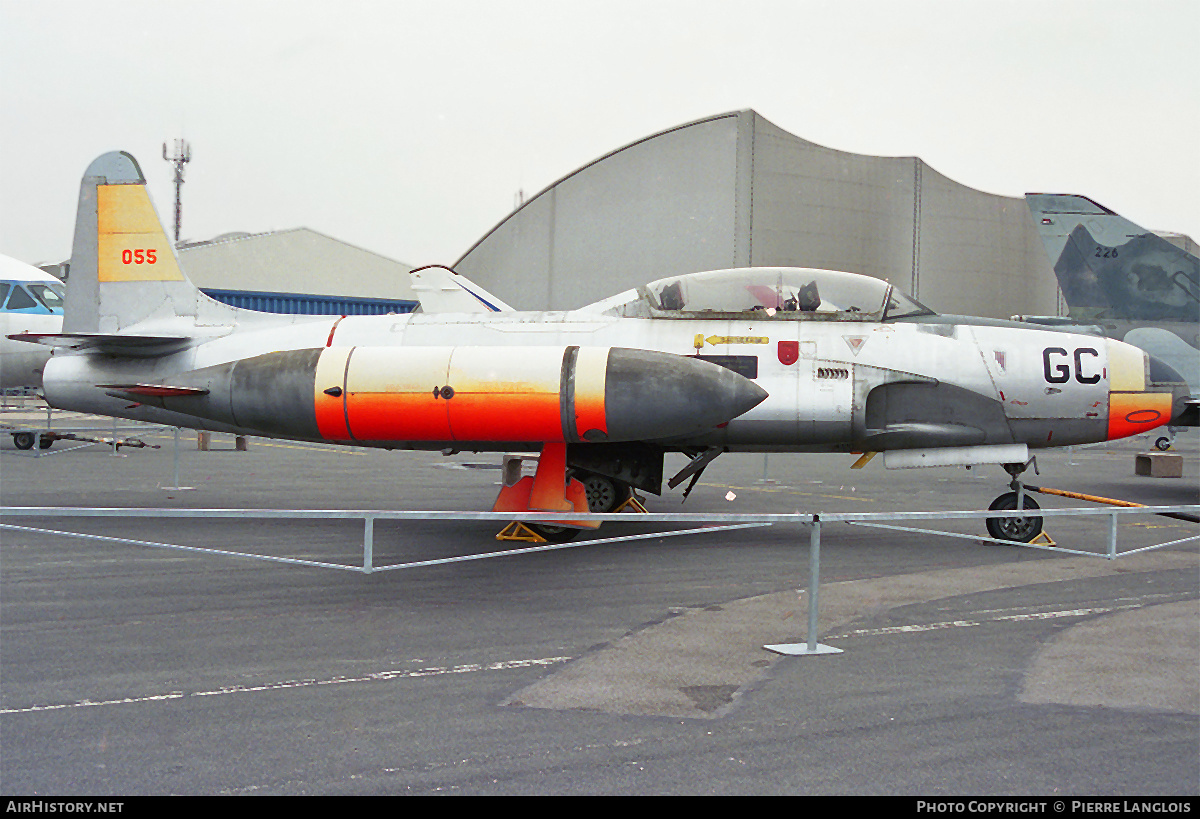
x: 731, y: 190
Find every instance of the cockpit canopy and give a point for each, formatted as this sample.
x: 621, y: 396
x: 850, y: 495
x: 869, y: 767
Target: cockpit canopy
x: 788, y: 293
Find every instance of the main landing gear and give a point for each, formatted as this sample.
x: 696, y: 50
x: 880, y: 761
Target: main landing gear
x: 603, y: 494
x: 556, y: 488
x: 25, y: 440
x: 1019, y: 528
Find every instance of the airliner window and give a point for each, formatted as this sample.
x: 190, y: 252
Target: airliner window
x: 4, y: 286
x: 20, y: 300
x: 48, y: 295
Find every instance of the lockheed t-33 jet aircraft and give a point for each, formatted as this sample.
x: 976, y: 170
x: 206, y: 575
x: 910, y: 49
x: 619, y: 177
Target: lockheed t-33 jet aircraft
x: 743, y: 360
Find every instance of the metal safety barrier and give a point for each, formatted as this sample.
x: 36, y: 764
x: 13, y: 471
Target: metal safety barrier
x: 723, y: 521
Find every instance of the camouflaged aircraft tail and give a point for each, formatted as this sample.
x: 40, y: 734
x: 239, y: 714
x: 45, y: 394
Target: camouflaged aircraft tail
x: 1110, y: 268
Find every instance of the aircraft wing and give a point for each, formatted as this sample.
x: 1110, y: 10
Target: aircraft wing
x: 441, y: 290
x: 119, y: 344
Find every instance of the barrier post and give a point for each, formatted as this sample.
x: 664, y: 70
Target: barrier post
x: 175, y: 466
x: 368, y: 543
x: 814, y: 581
x: 814, y: 591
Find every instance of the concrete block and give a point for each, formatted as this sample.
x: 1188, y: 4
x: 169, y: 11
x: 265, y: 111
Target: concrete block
x: 1158, y: 465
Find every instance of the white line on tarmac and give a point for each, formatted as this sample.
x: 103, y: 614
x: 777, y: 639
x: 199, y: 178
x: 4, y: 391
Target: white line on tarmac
x: 1012, y: 618
x: 377, y: 676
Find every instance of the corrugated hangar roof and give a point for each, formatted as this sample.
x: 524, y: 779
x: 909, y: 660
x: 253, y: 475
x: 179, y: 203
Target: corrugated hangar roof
x: 735, y: 190
x: 297, y: 260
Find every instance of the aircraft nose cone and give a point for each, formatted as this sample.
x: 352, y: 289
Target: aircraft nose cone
x: 651, y: 395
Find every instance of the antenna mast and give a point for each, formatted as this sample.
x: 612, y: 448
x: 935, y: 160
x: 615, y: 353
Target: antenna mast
x: 182, y: 156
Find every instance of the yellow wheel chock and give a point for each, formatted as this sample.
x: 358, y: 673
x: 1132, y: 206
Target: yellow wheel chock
x: 1044, y: 539
x: 519, y: 531
x: 632, y: 505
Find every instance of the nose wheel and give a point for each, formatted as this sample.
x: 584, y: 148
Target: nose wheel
x: 1018, y: 528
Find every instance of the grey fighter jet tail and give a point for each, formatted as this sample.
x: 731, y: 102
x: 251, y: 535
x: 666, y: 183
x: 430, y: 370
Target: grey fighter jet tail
x: 1110, y: 268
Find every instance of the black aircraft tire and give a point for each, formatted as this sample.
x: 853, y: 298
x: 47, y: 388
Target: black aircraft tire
x: 1017, y: 529
x: 23, y: 440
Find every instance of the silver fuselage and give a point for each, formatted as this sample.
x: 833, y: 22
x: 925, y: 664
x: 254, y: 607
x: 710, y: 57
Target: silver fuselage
x: 832, y: 385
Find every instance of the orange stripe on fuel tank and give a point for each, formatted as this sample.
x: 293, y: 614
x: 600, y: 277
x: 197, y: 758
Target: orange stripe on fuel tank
x: 536, y: 394
x: 500, y: 416
x: 591, y: 367
x: 1131, y: 413
x: 331, y: 406
x: 506, y: 394
x: 390, y: 394
x: 398, y: 417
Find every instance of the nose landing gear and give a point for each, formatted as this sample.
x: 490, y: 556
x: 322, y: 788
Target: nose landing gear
x: 1019, y: 528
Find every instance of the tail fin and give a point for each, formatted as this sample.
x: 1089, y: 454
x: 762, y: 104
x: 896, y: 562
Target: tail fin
x: 1109, y: 268
x: 441, y: 290
x: 124, y: 269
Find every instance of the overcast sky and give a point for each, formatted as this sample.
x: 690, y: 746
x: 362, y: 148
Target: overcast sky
x: 407, y: 128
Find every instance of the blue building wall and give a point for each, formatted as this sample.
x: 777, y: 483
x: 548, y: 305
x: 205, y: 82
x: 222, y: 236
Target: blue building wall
x: 303, y: 304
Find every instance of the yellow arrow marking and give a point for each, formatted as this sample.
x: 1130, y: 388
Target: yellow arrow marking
x: 715, y: 340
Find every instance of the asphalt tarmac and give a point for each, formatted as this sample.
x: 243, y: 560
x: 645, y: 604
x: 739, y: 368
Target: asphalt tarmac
x: 632, y: 667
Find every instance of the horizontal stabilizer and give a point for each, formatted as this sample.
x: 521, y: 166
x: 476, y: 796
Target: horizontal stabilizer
x: 153, y: 390
x: 123, y: 345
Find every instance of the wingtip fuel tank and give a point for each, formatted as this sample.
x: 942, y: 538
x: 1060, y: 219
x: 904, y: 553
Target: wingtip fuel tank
x: 396, y: 396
